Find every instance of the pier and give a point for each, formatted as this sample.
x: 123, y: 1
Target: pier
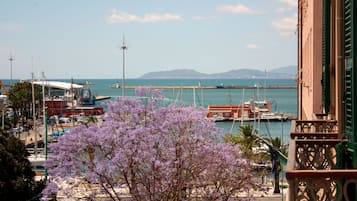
x: 212, y: 87
x: 99, y: 98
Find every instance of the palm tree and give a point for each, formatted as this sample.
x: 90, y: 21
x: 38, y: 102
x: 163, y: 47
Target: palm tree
x: 278, y: 145
x: 247, y: 139
x: 275, y: 147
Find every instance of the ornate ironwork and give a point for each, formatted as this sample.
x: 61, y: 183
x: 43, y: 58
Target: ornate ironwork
x: 329, y: 188
x: 314, y: 155
x: 325, y: 126
x: 321, y: 189
x: 311, y: 168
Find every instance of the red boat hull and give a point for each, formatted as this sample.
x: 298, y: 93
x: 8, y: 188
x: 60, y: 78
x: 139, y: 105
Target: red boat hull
x: 60, y: 108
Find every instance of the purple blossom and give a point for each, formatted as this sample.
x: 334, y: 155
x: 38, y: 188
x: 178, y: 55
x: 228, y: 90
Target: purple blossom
x: 156, y: 152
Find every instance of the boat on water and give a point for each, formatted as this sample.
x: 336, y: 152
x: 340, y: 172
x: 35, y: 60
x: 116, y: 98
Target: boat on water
x: 67, y: 99
x: 248, y: 111
x: 116, y: 85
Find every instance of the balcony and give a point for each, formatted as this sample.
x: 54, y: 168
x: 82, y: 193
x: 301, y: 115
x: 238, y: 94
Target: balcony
x: 312, y: 171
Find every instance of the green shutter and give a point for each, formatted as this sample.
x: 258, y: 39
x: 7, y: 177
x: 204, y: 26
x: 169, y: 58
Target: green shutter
x: 350, y: 70
x: 326, y: 55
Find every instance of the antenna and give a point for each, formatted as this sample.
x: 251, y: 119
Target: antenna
x: 123, y: 47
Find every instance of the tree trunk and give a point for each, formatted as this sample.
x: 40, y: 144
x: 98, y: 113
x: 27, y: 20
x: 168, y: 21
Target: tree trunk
x: 276, y: 176
x: 276, y: 182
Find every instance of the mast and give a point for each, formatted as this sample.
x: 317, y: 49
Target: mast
x: 194, y: 96
x: 242, y: 115
x: 11, y: 59
x: 265, y: 84
x: 123, y: 47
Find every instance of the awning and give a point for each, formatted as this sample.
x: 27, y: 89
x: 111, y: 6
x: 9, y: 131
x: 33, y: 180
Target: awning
x: 59, y: 85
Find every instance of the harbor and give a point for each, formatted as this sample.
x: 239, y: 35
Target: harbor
x: 207, y: 87
x: 201, y: 93
x: 70, y: 104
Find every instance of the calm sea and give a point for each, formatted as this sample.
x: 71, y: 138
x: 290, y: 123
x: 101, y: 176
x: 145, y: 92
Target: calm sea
x: 284, y: 100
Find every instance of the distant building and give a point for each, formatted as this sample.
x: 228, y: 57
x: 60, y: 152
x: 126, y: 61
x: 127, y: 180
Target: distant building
x: 322, y: 162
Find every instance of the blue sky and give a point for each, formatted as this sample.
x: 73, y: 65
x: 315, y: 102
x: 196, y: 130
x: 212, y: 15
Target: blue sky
x: 82, y: 39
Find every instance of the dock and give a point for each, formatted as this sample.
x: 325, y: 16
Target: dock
x: 99, y: 98
x: 211, y: 87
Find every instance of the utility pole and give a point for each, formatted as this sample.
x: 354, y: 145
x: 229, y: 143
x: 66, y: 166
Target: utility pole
x: 44, y: 119
x: 123, y: 47
x: 34, y: 113
x: 44, y: 103
x: 11, y: 59
x: 43, y: 95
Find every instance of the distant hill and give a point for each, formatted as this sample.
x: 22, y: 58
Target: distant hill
x: 286, y: 69
x: 286, y: 72
x: 183, y: 73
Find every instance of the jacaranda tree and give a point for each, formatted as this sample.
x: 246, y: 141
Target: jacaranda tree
x: 146, y: 151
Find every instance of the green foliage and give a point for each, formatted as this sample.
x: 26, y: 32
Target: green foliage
x: 247, y: 139
x: 277, y: 145
x: 7, y: 122
x: 20, y: 97
x: 16, y: 176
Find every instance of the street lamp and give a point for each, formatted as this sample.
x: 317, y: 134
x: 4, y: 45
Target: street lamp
x: 34, y: 112
x: 123, y: 47
x: 45, y: 120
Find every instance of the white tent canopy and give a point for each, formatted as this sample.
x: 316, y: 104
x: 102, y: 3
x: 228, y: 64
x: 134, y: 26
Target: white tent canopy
x: 59, y: 85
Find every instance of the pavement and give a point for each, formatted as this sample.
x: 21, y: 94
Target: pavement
x: 29, y: 136
x: 272, y: 197
x: 266, y: 192
x: 275, y: 198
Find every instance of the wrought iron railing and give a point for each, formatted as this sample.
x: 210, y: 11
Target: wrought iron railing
x: 311, y: 170
x: 314, y: 126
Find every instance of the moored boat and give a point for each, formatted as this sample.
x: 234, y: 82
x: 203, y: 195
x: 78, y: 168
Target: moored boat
x: 248, y: 111
x: 67, y: 99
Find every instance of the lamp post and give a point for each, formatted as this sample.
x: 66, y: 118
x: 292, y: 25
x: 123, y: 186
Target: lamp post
x: 123, y: 47
x: 11, y: 59
x: 34, y: 113
x: 46, y: 140
x: 44, y: 111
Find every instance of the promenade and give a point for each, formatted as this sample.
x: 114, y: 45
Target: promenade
x: 28, y: 137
